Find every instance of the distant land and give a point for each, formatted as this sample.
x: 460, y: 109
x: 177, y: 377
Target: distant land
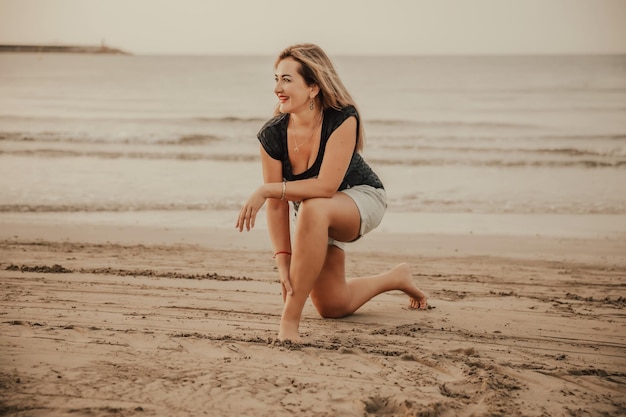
x: 65, y: 49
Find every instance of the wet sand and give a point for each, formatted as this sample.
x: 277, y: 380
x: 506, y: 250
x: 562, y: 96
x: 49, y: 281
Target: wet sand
x: 102, y: 320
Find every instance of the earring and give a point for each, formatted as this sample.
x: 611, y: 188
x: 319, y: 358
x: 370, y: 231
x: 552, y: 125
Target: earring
x: 311, y: 105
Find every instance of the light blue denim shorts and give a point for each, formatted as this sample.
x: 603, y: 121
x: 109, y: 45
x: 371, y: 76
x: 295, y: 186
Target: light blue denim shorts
x: 371, y: 202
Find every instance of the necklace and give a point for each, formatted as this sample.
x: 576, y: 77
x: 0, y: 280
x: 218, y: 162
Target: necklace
x: 297, y: 146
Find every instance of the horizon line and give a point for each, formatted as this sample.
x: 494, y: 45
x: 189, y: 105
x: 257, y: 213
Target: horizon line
x: 103, y: 45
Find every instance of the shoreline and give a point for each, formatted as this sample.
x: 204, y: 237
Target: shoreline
x: 531, y: 236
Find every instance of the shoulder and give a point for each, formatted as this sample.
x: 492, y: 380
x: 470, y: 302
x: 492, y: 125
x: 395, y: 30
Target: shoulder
x: 273, y: 126
x: 341, y: 114
x: 336, y: 117
x: 271, y: 136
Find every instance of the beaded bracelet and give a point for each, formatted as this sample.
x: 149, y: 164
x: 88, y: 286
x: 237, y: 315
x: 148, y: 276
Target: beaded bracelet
x: 282, y: 252
x: 282, y: 194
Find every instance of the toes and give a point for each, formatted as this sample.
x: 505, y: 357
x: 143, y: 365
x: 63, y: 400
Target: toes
x: 418, y: 304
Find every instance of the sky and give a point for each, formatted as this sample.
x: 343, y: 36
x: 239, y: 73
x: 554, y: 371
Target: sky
x: 349, y: 27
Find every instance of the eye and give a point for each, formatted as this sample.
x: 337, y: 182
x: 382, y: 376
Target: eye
x: 283, y: 79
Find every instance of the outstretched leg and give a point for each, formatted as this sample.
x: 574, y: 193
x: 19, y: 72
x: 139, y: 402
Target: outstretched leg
x: 335, y: 297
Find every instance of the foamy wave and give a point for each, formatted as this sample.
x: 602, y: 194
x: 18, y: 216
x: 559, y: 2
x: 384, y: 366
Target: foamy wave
x: 412, y: 204
x: 509, y: 151
x: 230, y: 119
x: 447, y: 124
x: 116, y: 207
x: 183, y: 156
x: 498, y: 163
x: 163, y: 131
x: 192, y: 140
x: 426, y: 161
x: 126, y: 120
x: 408, y: 204
x: 401, y: 139
x: 80, y: 138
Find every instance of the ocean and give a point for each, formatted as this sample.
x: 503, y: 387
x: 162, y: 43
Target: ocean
x: 469, y: 144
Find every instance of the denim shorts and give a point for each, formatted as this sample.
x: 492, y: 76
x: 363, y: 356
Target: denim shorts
x: 371, y: 202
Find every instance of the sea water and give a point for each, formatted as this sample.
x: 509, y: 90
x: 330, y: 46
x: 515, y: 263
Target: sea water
x: 464, y: 144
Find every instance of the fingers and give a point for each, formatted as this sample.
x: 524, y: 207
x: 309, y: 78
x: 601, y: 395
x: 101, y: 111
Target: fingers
x: 251, y: 219
x: 286, y: 290
x: 287, y: 286
x: 246, y: 218
x: 247, y: 214
x: 240, y: 220
x: 238, y: 224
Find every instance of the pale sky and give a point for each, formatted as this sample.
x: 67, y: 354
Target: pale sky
x: 338, y: 26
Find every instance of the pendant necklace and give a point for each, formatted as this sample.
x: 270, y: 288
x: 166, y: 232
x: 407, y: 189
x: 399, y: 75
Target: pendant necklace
x: 293, y: 128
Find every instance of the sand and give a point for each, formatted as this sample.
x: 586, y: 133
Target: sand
x: 139, y: 320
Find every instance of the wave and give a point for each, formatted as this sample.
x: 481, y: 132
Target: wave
x: 117, y: 207
x: 543, y: 89
x: 596, y: 137
x: 231, y: 157
x: 411, y: 205
x: 230, y: 119
x: 191, y: 140
x: 408, y: 140
x: 235, y: 121
x: 496, y: 163
x: 66, y: 153
x: 425, y: 205
x: 130, y: 119
x: 448, y: 123
x: 575, y: 152
x: 78, y: 138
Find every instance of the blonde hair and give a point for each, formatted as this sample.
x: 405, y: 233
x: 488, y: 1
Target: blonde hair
x: 317, y: 69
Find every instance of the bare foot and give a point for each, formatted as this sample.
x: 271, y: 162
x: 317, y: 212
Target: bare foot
x: 289, y: 331
x: 417, y: 299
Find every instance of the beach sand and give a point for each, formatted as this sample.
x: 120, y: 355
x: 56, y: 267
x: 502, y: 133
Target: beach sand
x: 134, y: 320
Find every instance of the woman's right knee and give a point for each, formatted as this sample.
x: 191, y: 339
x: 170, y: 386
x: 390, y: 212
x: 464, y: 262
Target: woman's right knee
x: 330, y: 311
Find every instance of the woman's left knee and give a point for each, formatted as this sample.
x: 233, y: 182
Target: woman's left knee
x: 313, y: 210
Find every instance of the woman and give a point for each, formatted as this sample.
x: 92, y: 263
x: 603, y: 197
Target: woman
x: 310, y: 156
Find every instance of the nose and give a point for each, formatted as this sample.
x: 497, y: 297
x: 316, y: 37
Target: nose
x: 277, y: 87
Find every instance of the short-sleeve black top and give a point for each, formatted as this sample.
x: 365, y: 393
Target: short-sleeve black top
x: 273, y: 138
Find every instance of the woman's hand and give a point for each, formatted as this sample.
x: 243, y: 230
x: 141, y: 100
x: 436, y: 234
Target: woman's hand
x: 285, y: 283
x: 247, y: 214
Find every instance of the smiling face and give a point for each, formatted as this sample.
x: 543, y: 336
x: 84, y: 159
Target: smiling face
x: 293, y: 94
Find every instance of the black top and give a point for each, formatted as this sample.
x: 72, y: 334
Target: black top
x: 273, y: 138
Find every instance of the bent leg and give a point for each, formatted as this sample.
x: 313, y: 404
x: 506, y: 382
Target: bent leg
x: 316, y: 217
x: 334, y: 297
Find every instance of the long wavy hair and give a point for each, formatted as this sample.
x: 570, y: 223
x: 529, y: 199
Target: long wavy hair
x: 317, y: 69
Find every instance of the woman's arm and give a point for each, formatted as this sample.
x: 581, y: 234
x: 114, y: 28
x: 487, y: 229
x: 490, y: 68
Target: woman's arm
x: 277, y: 210
x: 337, y: 156
x: 278, y: 221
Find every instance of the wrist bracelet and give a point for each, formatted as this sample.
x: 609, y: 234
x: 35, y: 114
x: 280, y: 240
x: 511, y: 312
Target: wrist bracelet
x: 282, y: 194
x: 282, y: 252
